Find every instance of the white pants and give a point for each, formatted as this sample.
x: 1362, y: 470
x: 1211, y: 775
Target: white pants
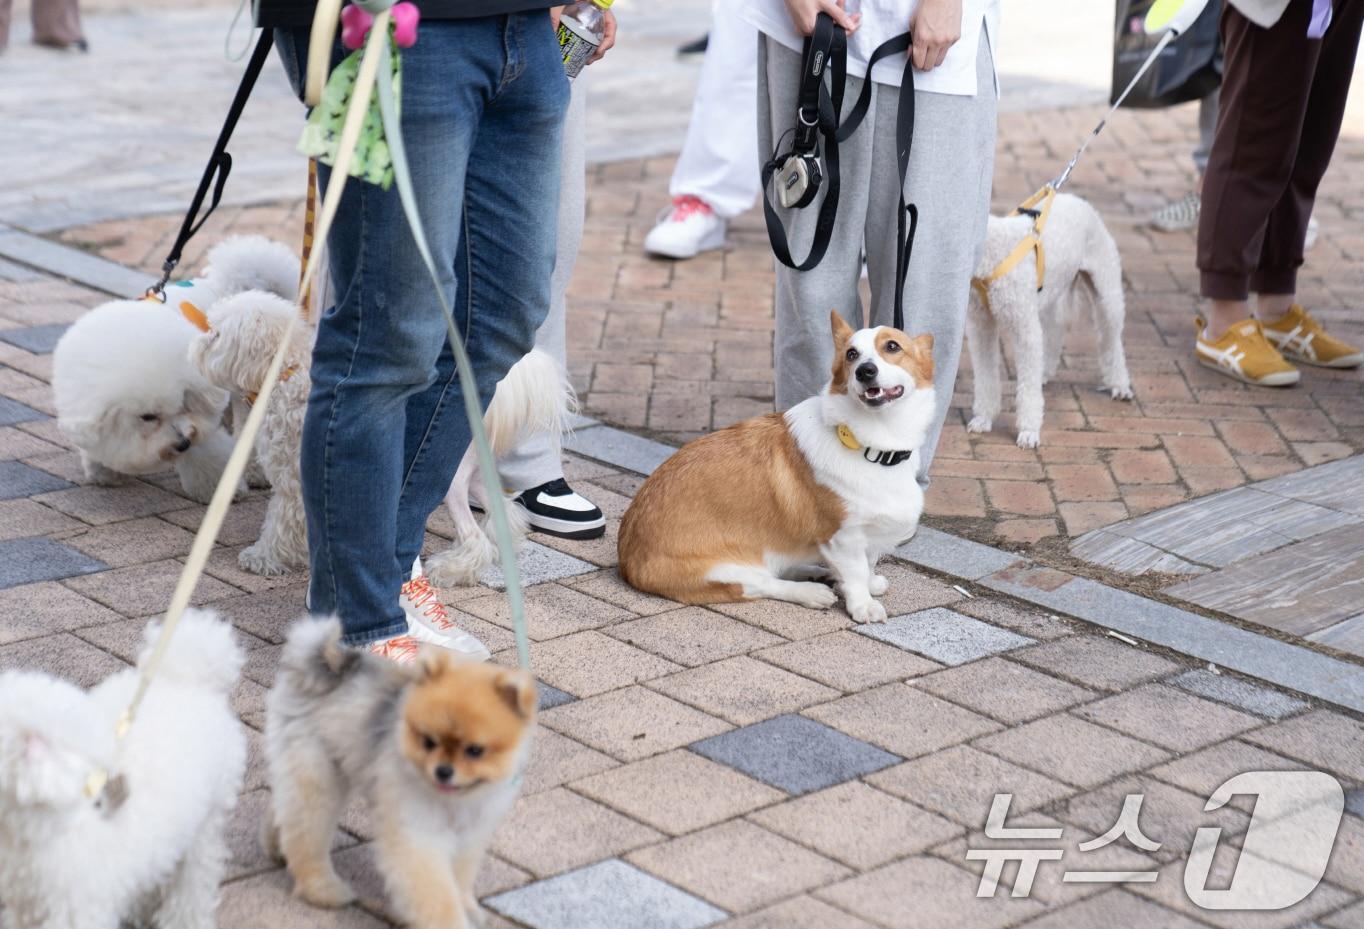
x: 719, y: 158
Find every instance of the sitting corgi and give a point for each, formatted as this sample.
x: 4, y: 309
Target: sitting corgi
x: 754, y: 510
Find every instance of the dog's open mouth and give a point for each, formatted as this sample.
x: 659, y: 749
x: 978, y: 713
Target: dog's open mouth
x: 880, y: 396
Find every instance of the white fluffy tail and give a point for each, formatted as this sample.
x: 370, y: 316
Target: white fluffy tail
x: 203, y: 651
x: 534, y: 397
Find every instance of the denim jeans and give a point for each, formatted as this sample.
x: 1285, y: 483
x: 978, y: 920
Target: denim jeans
x: 483, y: 103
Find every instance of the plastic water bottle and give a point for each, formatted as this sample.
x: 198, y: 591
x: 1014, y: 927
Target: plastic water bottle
x: 581, y: 29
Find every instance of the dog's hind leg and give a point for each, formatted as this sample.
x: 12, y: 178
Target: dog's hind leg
x: 982, y: 340
x: 1028, y: 361
x: 1105, y: 281
x: 758, y: 582
x: 472, y: 550
x: 306, y: 799
x: 191, y: 894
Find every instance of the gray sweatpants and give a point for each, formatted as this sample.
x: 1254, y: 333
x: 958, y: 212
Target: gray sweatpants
x: 536, y: 461
x: 950, y: 169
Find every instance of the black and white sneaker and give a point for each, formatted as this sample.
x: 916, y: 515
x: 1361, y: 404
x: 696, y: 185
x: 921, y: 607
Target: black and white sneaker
x: 555, y: 509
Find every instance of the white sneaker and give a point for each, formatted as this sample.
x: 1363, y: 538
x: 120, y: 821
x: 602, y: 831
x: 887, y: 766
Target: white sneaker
x: 685, y: 229
x: 429, y: 623
x: 1313, y: 229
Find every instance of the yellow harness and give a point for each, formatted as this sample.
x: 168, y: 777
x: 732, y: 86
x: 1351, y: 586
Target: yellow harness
x: 1038, y: 206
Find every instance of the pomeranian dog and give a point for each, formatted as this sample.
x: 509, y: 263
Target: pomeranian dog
x: 1082, y: 264
x: 149, y: 849
x: 535, y: 397
x: 234, y: 355
x: 772, y: 506
x: 437, y: 746
x: 126, y: 392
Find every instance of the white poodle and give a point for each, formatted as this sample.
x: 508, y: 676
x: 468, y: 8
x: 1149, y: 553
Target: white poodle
x: 149, y: 849
x: 234, y: 355
x: 1081, y: 258
x: 534, y: 397
x: 127, y: 395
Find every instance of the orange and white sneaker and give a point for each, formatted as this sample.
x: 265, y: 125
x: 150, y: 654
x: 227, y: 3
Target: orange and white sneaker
x: 1243, y: 352
x: 1300, y: 337
x: 429, y: 623
x: 401, y: 648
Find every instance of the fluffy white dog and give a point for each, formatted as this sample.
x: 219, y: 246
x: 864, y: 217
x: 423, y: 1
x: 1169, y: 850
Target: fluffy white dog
x: 127, y: 395
x: 151, y: 853
x: 234, y: 355
x: 1081, y: 258
x: 534, y: 397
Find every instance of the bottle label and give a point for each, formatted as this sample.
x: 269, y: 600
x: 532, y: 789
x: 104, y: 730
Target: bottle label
x: 577, y: 47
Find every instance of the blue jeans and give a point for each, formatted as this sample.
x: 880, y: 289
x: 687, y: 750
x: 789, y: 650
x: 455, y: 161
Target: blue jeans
x: 483, y: 104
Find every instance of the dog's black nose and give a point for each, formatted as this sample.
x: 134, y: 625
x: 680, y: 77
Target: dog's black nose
x: 182, y: 444
x: 866, y: 372
x: 444, y: 773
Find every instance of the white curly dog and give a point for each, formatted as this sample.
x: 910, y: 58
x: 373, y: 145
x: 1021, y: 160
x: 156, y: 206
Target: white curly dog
x: 234, y: 355
x: 1081, y: 260
x: 153, y: 852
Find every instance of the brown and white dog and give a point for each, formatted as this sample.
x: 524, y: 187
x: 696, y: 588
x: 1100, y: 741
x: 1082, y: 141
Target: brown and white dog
x: 769, y: 505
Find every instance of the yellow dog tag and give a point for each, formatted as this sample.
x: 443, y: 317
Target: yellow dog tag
x: 845, y: 435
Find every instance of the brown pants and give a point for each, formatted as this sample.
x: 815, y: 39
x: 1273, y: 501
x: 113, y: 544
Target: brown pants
x: 1283, y: 99
x: 55, y: 22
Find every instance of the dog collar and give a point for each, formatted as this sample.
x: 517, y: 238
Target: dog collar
x: 883, y: 457
x: 283, y: 376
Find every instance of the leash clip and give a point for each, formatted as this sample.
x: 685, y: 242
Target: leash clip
x: 158, y: 290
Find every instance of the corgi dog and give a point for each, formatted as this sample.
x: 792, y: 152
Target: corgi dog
x: 771, y: 506
x: 438, y: 747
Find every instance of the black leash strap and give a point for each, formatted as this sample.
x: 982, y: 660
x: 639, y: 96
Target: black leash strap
x: 826, y: 51
x: 219, y: 163
x: 907, y: 217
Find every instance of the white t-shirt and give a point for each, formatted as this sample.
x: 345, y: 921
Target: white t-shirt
x: 885, y: 19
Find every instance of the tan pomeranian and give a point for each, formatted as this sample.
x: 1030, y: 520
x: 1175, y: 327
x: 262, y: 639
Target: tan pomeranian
x: 437, y: 747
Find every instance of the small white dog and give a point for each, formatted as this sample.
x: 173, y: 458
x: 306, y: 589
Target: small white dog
x: 152, y: 852
x: 1081, y: 258
x: 234, y: 355
x: 535, y: 397
x: 127, y: 395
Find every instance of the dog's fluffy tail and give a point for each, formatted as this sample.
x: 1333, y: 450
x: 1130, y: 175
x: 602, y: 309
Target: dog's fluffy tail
x: 314, y: 661
x: 534, y: 397
x: 253, y: 262
x: 203, y: 652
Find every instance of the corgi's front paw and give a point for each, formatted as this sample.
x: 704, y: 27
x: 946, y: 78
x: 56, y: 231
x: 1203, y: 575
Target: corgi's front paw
x: 869, y: 612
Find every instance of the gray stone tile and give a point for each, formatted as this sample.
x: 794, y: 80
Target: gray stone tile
x: 537, y: 564
x: 27, y: 561
x: 141, y: 590
x: 71, y: 263
x: 1334, y: 485
x: 1097, y: 661
x: 1325, y: 739
x: 960, y: 783
x: 1129, y: 556
x: 550, y: 697
x: 1239, y: 693
x: 1299, y: 589
x: 945, y: 635
x: 1354, y: 801
x: 607, y: 895
x: 952, y: 555
x: 925, y: 893
x: 12, y: 411
x: 40, y: 340
x: 1223, y: 644
x: 101, y: 505
x: 1346, y: 635
x: 794, y: 754
x: 619, y: 448
x: 19, y: 480
x: 63, y: 655
x: 267, y: 900
x: 1113, y: 908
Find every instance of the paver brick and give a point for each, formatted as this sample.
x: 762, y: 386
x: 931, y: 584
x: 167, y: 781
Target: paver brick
x: 555, y: 830
x: 588, y: 663
x: 960, y: 783
x: 902, y: 719
x: 1009, y: 692
x: 1071, y: 749
x: 1323, y: 738
x: 632, y: 723
x: 1096, y: 661
x: 692, y: 636
x: 743, y: 690
x: 1168, y: 717
x: 847, y: 661
x: 925, y: 893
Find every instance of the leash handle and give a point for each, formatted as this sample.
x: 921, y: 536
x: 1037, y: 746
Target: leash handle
x: 219, y: 163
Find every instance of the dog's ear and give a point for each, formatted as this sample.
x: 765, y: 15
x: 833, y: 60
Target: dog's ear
x: 842, y: 332
x: 517, y: 688
x: 41, y: 774
x: 922, y: 347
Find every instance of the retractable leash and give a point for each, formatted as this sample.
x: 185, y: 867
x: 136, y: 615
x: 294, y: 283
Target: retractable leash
x: 818, y: 130
x: 106, y: 787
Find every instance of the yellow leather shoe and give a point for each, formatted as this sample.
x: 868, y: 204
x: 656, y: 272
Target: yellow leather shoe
x: 1298, y: 336
x: 1243, y: 352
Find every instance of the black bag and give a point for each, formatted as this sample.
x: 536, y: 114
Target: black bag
x: 1189, y: 68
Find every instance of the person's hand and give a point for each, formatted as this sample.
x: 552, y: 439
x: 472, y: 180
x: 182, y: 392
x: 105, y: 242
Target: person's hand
x: 803, y: 13
x: 608, y: 38
x: 556, y: 13
x: 936, y: 27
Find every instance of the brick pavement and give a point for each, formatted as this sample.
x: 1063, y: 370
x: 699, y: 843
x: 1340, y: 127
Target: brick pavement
x: 676, y: 349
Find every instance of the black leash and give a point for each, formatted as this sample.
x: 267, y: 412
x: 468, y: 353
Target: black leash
x: 832, y: 133
x: 219, y: 163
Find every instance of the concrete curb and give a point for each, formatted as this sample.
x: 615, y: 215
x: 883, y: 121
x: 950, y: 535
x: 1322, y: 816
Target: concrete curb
x: 72, y: 264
